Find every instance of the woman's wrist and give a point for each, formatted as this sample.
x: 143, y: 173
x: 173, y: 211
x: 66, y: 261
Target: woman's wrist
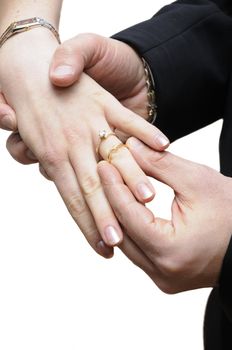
x: 18, y: 10
x: 30, y: 45
x: 23, y: 26
x: 24, y: 60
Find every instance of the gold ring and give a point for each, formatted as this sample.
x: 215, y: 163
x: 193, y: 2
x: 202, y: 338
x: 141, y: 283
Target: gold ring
x: 103, y: 135
x: 115, y: 149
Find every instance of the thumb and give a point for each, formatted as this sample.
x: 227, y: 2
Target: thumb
x: 73, y: 56
x: 183, y: 176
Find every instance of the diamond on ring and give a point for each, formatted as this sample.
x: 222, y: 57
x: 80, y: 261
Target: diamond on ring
x: 102, y: 134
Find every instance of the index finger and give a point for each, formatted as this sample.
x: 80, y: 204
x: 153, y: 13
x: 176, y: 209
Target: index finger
x: 69, y: 189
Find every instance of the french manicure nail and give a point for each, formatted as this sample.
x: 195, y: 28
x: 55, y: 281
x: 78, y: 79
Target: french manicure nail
x: 64, y: 70
x: 112, y: 235
x: 163, y: 140
x: 7, y: 122
x: 133, y: 142
x: 145, y: 192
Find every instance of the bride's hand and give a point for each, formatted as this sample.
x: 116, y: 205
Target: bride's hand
x: 61, y: 126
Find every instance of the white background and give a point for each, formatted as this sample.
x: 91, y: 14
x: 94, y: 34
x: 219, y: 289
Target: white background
x: 55, y: 293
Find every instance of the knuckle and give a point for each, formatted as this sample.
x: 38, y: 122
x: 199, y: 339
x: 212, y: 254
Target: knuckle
x: 129, y: 122
x: 90, y: 185
x: 91, y: 38
x: 44, y: 173
x: 171, y: 267
x: 127, y: 213
x: 131, y: 210
x: 167, y: 287
x: 99, y: 96
x: 51, y: 159
x: 76, y: 136
x: 92, y: 235
x: 159, y: 160
x: 76, y: 206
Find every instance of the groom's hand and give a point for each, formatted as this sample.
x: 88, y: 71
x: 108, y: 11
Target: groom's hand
x: 15, y: 145
x: 187, y: 251
x: 112, y: 63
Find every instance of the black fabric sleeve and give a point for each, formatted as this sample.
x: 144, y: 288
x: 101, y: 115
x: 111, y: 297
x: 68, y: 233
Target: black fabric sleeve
x: 188, y: 46
x: 225, y: 283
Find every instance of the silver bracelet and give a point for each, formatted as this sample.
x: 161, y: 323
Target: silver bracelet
x: 25, y: 25
x: 151, y: 96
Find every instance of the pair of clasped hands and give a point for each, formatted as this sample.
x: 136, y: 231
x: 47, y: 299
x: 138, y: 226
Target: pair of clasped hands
x: 58, y: 99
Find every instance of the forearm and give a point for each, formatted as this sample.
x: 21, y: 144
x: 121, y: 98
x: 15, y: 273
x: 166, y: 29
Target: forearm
x: 16, y: 10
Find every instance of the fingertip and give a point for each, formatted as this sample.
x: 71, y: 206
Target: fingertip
x: 65, y: 81
x: 102, y: 163
x: 7, y: 118
x: 134, y: 143
x: 108, y: 173
x: 113, y: 235
x: 146, y: 193
x: 7, y: 122
x: 62, y: 82
x: 63, y: 70
x: 18, y: 150
x: 104, y: 250
x: 103, y: 166
x: 63, y: 75
x: 162, y: 141
x: 160, y: 144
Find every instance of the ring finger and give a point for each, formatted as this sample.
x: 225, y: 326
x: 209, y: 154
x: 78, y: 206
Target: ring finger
x: 117, y: 153
x: 93, y: 193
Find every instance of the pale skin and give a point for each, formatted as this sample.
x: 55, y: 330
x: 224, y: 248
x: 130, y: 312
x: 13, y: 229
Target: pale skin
x: 186, y: 252
x: 60, y: 126
x: 113, y: 64
x: 171, y: 252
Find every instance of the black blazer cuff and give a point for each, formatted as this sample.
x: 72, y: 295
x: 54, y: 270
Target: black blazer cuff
x: 225, y: 283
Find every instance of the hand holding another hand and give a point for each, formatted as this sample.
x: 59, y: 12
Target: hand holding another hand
x: 180, y: 254
x: 111, y: 63
x: 186, y: 252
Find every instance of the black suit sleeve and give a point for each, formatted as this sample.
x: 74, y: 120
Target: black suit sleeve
x: 188, y: 46
x: 225, y: 285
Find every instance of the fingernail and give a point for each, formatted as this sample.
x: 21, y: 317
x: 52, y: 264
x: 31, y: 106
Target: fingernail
x: 105, y: 250
x: 133, y: 142
x: 30, y: 155
x: 162, y: 140
x: 145, y: 192
x: 112, y: 235
x: 7, y: 122
x: 63, y: 71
